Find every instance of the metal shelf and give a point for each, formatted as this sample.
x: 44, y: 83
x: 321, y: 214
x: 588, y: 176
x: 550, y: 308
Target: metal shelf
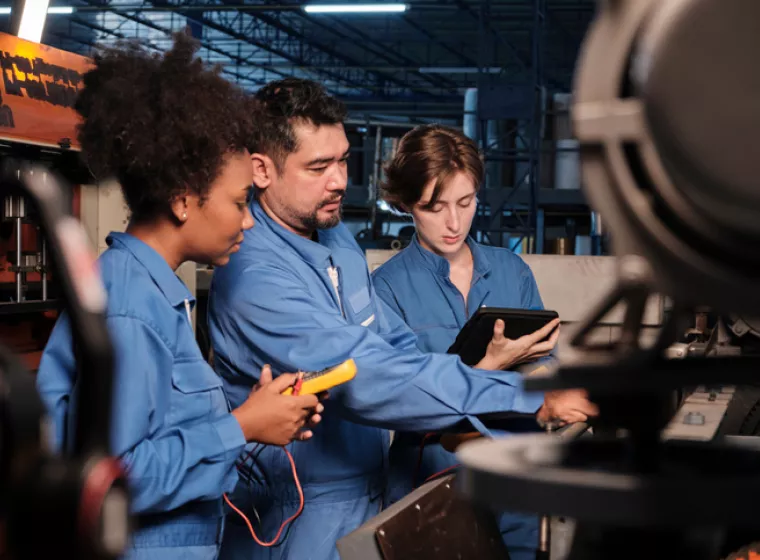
x: 357, y: 198
x: 521, y: 197
x: 14, y: 308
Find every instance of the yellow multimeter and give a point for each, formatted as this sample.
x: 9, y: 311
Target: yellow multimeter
x: 315, y: 382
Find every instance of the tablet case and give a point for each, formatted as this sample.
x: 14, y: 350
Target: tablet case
x: 472, y: 341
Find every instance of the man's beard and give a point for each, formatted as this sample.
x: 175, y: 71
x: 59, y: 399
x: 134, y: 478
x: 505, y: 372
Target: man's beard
x: 313, y: 222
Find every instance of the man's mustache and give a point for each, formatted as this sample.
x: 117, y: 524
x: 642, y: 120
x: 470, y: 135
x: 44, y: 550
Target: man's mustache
x: 333, y: 200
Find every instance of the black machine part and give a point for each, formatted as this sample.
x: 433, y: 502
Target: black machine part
x: 431, y: 523
x: 610, y: 481
x: 743, y: 413
x: 62, y: 504
x: 628, y: 502
x: 664, y: 109
x: 744, y: 326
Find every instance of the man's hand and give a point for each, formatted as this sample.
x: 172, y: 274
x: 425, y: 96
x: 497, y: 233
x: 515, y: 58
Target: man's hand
x: 503, y: 353
x: 567, y: 407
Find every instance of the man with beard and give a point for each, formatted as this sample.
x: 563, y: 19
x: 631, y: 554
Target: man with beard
x: 298, y: 296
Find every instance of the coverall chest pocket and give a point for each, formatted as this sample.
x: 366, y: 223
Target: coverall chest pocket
x: 362, y: 309
x: 197, y: 393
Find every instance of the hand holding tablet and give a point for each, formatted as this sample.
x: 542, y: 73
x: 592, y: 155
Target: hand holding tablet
x: 500, y: 338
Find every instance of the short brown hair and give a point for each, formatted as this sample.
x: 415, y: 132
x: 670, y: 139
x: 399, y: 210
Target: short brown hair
x: 427, y: 153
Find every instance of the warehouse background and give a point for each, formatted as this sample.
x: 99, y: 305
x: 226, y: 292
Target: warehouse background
x: 501, y: 69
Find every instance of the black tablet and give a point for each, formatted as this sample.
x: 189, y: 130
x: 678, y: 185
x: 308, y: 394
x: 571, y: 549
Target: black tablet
x: 473, y: 339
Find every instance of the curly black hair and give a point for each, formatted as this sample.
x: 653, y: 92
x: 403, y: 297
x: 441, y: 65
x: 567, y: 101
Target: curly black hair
x: 160, y: 124
x: 284, y: 102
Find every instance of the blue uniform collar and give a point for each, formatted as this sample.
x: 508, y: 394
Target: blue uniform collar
x: 439, y: 265
x: 167, y: 281
x: 315, y: 253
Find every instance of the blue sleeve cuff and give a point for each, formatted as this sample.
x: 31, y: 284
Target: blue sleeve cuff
x: 230, y: 434
x: 480, y: 427
x: 527, y: 402
x: 522, y: 401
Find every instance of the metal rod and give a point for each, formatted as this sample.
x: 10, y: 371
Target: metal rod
x: 544, y: 538
x: 537, y: 63
x: 43, y: 264
x: 227, y: 7
x: 19, y: 263
x: 453, y: 105
x: 375, y: 180
x: 544, y: 529
x: 508, y: 10
x: 389, y: 124
x: 571, y: 432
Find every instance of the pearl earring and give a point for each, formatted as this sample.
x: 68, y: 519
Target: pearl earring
x: 184, y: 216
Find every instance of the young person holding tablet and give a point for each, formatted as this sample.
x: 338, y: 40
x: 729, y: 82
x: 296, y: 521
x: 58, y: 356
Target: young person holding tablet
x: 442, y: 278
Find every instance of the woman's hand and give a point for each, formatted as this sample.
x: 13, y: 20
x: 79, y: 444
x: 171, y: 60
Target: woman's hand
x: 504, y: 353
x: 267, y: 416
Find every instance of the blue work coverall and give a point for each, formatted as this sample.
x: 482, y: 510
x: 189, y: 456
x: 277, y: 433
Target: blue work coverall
x: 171, y: 425
x: 415, y: 284
x: 300, y: 304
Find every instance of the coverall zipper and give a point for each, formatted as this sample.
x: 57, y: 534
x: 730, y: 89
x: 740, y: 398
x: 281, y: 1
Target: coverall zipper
x: 332, y: 272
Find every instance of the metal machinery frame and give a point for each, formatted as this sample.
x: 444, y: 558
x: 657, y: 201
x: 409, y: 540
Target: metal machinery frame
x: 509, y: 124
x: 85, y: 490
x: 685, y: 217
x: 519, y: 127
x: 37, y: 123
x: 397, y: 72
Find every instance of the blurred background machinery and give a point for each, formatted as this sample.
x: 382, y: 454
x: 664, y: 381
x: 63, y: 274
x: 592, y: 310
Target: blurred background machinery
x: 84, y: 491
x: 649, y: 153
x: 44, y: 132
x: 501, y: 70
x: 684, y: 215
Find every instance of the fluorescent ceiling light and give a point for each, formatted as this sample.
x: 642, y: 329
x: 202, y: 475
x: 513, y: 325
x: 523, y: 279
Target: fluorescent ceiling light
x: 33, y: 18
x: 354, y: 8
x: 6, y: 10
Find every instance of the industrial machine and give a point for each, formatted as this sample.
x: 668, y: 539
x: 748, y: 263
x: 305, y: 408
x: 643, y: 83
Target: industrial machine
x: 48, y: 504
x: 665, y: 110
x: 570, y: 285
x: 83, y: 494
x: 663, y: 107
x: 37, y: 123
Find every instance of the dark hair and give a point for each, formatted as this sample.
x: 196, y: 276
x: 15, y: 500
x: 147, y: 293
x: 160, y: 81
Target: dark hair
x: 160, y: 125
x: 424, y: 154
x: 285, y: 102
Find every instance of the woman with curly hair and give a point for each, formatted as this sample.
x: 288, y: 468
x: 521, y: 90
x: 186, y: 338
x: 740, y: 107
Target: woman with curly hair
x: 174, y: 134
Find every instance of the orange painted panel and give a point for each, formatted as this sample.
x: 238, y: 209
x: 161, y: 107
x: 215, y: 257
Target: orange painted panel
x: 37, y: 92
